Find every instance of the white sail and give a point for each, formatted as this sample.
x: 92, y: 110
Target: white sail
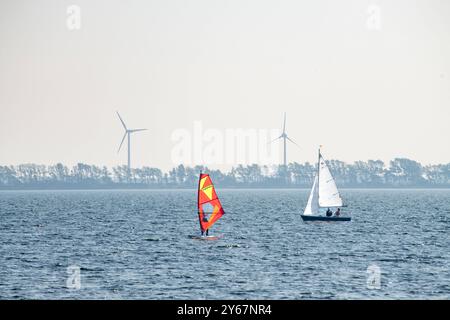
x: 312, y: 207
x: 328, y: 192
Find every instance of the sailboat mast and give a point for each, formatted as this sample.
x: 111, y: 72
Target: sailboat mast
x: 318, y: 170
x: 198, y: 200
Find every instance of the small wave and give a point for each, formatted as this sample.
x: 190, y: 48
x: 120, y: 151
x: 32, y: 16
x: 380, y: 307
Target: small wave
x: 230, y: 246
x: 91, y: 269
x: 153, y: 239
x: 183, y: 276
x: 393, y: 260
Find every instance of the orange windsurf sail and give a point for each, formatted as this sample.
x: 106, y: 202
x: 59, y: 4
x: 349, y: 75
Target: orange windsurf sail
x: 209, y: 207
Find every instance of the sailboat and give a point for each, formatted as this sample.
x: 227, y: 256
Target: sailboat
x: 324, y: 194
x: 209, y: 207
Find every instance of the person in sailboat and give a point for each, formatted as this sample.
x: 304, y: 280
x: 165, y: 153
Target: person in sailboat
x: 338, y: 212
x: 329, y: 213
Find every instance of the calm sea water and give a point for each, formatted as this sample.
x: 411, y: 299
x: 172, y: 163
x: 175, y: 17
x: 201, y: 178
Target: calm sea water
x: 134, y: 245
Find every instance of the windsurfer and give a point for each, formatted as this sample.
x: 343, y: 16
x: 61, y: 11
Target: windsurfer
x: 209, y: 207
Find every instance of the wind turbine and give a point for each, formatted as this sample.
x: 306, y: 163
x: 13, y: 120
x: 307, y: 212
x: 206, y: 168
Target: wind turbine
x: 128, y: 133
x: 285, y: 137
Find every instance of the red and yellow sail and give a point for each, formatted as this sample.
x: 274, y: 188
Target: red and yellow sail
x: 209, y: 207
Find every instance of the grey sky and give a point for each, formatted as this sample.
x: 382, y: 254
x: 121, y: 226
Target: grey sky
x: 362, y: 93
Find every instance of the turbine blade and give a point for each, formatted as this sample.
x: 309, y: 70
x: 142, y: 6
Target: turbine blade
x: 292, y: 141
x: 136, y: 130
x: 120, y: 118
x: 275, y: 139
x: 284, y: 123
x: 123, y: 139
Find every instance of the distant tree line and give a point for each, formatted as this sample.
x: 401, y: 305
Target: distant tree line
x: 400, y: 172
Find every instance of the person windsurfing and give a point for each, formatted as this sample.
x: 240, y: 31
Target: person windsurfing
x: 205, y: 232
x: 209, y: 207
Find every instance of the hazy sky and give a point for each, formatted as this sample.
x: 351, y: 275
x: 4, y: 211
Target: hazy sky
x: 363, y: 92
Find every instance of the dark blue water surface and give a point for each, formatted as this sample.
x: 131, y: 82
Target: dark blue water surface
x: 134, y: 245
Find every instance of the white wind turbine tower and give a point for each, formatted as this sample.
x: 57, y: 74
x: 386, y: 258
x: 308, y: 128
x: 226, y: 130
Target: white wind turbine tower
x: 285, y: 137
x: 128, y: 133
